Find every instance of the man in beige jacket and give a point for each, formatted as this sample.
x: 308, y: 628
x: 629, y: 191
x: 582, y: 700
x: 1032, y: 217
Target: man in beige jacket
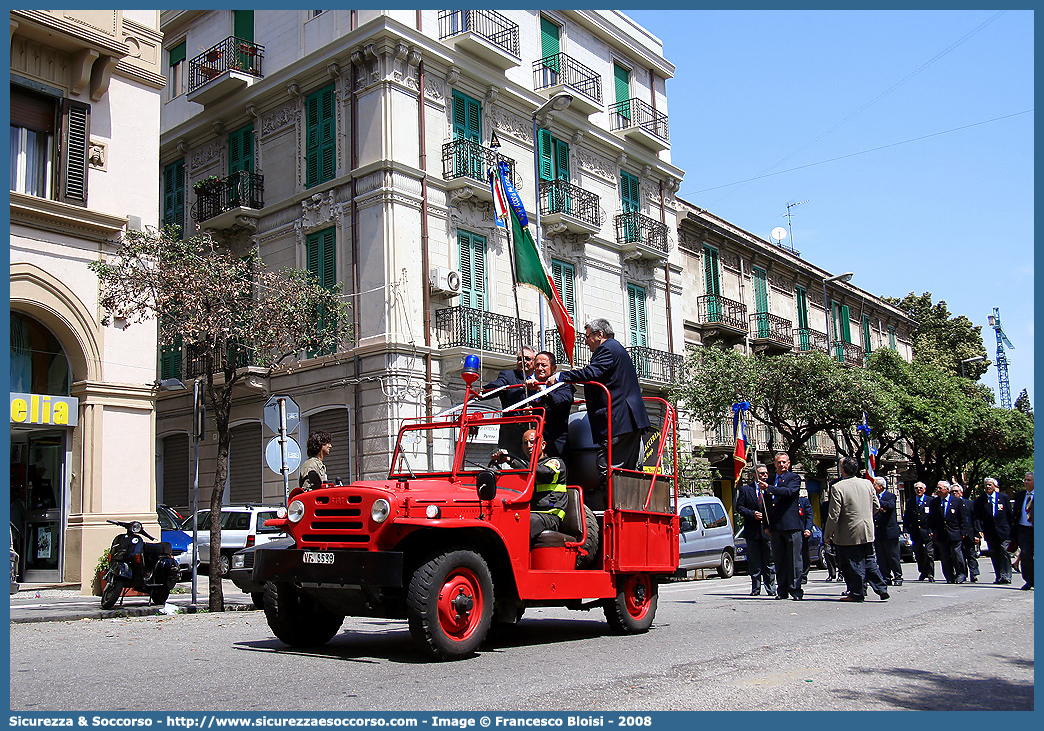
x: 850, y: 525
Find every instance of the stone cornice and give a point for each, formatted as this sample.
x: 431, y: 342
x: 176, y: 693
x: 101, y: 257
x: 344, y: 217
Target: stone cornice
x: 41, y: 213
x: 115, y: 394
x: 77, y: 33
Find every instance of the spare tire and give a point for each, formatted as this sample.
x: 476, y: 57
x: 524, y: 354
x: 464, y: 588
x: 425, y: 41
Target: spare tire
x: 591, y: 543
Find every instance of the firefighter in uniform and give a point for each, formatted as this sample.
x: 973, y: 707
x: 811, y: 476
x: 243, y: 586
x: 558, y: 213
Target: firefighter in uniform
x: 547, y: 510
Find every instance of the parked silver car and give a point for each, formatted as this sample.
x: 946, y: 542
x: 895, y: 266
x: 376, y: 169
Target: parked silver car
x: 241, y: 526
x: 705, y: 536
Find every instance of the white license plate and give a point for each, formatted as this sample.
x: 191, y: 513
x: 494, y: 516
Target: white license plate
x: 318, y: 558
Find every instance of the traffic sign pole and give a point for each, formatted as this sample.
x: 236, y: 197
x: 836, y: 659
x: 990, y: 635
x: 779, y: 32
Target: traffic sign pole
x: 282, y: 451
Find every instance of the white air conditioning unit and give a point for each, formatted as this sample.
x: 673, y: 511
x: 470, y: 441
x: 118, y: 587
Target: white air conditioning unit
x: 444, y: 280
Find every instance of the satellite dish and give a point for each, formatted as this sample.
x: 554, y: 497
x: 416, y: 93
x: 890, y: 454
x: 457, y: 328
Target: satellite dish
x: 779, y: 233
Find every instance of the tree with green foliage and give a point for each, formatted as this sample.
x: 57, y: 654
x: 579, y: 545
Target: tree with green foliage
x: 229, y: 311
x: 941, y: 338
x: 799, y: 395
x: 1022, y: 403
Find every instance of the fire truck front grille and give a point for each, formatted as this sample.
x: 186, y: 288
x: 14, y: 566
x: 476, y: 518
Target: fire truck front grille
x: 334, y: 513
x: 335, y: 525
x: 330, y: 538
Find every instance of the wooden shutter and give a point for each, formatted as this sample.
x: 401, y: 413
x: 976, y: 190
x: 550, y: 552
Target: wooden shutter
x: 334, y: 421
x: 761, y: 302
x: 802, y: 307
x: 846, y: 324
x: 243, y: 25
x: 622, y: 79
x: 32, y: 111
x: 867, y: 344
x: 549, y: 38
x: 891, y: 338
x: 320, y: 137
x: 174, y: 194
x: 472, y: 270
x: 629, y: 194
x: 636, y: 312
x: 176, y: 54
x: 322, y: 256
x: 467, y: 118
x: 245, y: 464
x: 545, y: 155
x: 561, y: 160
x: 241, y: 150
x: 564, y: 276
x: 76, y: 132
x: 176, y: 471
x: 710, y: 271
x: 170, y: 360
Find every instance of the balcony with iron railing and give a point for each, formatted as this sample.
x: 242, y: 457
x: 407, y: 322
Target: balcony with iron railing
x: 771, y: 331
x: 847, y: 353
x: 568, y: 207
x: 464, y: 167
x: 808, y: 340
x: 222, y: 69
x: 639, y: 121
x: 722, y: 315
x: 560, y: 72
x: 472, y: 329
x: 196, y: 359
x: 484, y: 33
x: 820, y: 445
x: 581, y: 353
x: 232, y: 202
x: 655, y: 365
x: 643, y: 237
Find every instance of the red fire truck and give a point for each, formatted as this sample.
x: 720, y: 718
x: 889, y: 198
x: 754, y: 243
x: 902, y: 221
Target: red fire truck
x: 444, y: 541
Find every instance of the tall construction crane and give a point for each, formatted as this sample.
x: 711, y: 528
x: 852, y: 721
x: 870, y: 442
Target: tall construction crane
x: 1002, y: 359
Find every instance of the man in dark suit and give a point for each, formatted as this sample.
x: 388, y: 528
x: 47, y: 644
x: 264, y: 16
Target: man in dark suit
x: 969, y: 540
x: 785, y: 526
x: 1022, y: 528
x: 511, y: 434
x: 991, y: 514
x: 948, y: 527
x: 886, y: 535
x: 917, y: 524
x: 556, y: 404
x: 611, y: 366
x: 751, y: 505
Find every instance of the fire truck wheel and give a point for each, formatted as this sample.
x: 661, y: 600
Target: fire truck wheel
x: 591, y: 543
x: 294, y: 620
x: 634, y: 607
x: 450, y: 604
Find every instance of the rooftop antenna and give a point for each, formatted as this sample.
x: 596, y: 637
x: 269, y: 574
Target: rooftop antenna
x: 779, y: 233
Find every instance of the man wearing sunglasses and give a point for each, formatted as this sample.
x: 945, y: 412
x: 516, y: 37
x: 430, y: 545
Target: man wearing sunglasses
x: 511, y: 434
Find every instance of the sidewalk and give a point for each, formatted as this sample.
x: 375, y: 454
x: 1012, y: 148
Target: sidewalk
x: 65, y: 603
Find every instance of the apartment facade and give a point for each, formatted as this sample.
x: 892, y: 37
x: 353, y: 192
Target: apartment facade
x: 85, y: 113
x: 756, y: 296
x: 355, y: 144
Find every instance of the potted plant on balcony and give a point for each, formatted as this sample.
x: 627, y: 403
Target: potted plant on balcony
x: 207, y: 184
x: 214, y: 54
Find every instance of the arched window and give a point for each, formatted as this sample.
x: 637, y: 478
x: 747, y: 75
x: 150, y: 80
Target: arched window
x: 38, y: 360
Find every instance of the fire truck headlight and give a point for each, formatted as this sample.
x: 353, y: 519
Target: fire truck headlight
x: 432, y: 511
x: 295, y: 511
x: 380, y: 510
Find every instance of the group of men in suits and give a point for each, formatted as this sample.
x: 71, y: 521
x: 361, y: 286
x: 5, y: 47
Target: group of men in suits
x: 947, y: 525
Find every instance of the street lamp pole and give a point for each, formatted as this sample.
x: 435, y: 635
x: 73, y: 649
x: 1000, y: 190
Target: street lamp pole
x: 976, y: 359
x: 557, y: 103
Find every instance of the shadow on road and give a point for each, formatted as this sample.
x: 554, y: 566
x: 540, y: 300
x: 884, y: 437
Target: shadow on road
x: 922, y: 690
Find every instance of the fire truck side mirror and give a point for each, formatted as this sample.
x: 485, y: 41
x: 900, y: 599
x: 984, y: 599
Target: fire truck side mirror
x: 486, y: 484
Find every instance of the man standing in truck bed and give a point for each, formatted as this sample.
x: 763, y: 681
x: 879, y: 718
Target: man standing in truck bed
x: 612, y: 367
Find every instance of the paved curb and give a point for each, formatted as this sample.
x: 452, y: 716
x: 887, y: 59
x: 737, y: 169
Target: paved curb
x: 58, y: 615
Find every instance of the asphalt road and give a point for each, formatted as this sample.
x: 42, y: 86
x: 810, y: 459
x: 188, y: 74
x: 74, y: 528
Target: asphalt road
x: 712, y: 647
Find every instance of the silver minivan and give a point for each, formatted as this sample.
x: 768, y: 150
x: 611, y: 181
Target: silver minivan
x: 705, y: 536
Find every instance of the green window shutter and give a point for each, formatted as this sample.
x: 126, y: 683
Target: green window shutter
x: 174, y: 194
x: 243, y: 25
x: 622, y: 78
x: 846, y: 324
x: 320, y: 137
x: 761, y: 301
x: 802, y: 307
x: 629, y: 193
x: 564, y: 275
x: 867, y: 347
x: 467, y: 118
x: 472, y: 270
x: 322, y: 256
x: 561, y: 160
x: 549, y: 38
x: 636, y: 311
x: 891, y: 338
x: 241, y: 150
x: 545, y: 155
x: 710, y: 271
x: 176, y: 54
x: 170, y: 360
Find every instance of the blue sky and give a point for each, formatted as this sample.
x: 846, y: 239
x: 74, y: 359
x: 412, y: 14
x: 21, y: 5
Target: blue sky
x: 792, y: 98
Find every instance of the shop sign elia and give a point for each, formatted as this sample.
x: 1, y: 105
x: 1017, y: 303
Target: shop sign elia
x: 35, y: 408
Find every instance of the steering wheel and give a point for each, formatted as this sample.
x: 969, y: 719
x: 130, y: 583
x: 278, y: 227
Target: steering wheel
x: 505, y: 459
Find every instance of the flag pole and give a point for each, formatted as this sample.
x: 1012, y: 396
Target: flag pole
x: 494, y: 145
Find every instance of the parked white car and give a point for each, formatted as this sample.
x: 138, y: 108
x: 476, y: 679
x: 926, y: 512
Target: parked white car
x: 241, y: 526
